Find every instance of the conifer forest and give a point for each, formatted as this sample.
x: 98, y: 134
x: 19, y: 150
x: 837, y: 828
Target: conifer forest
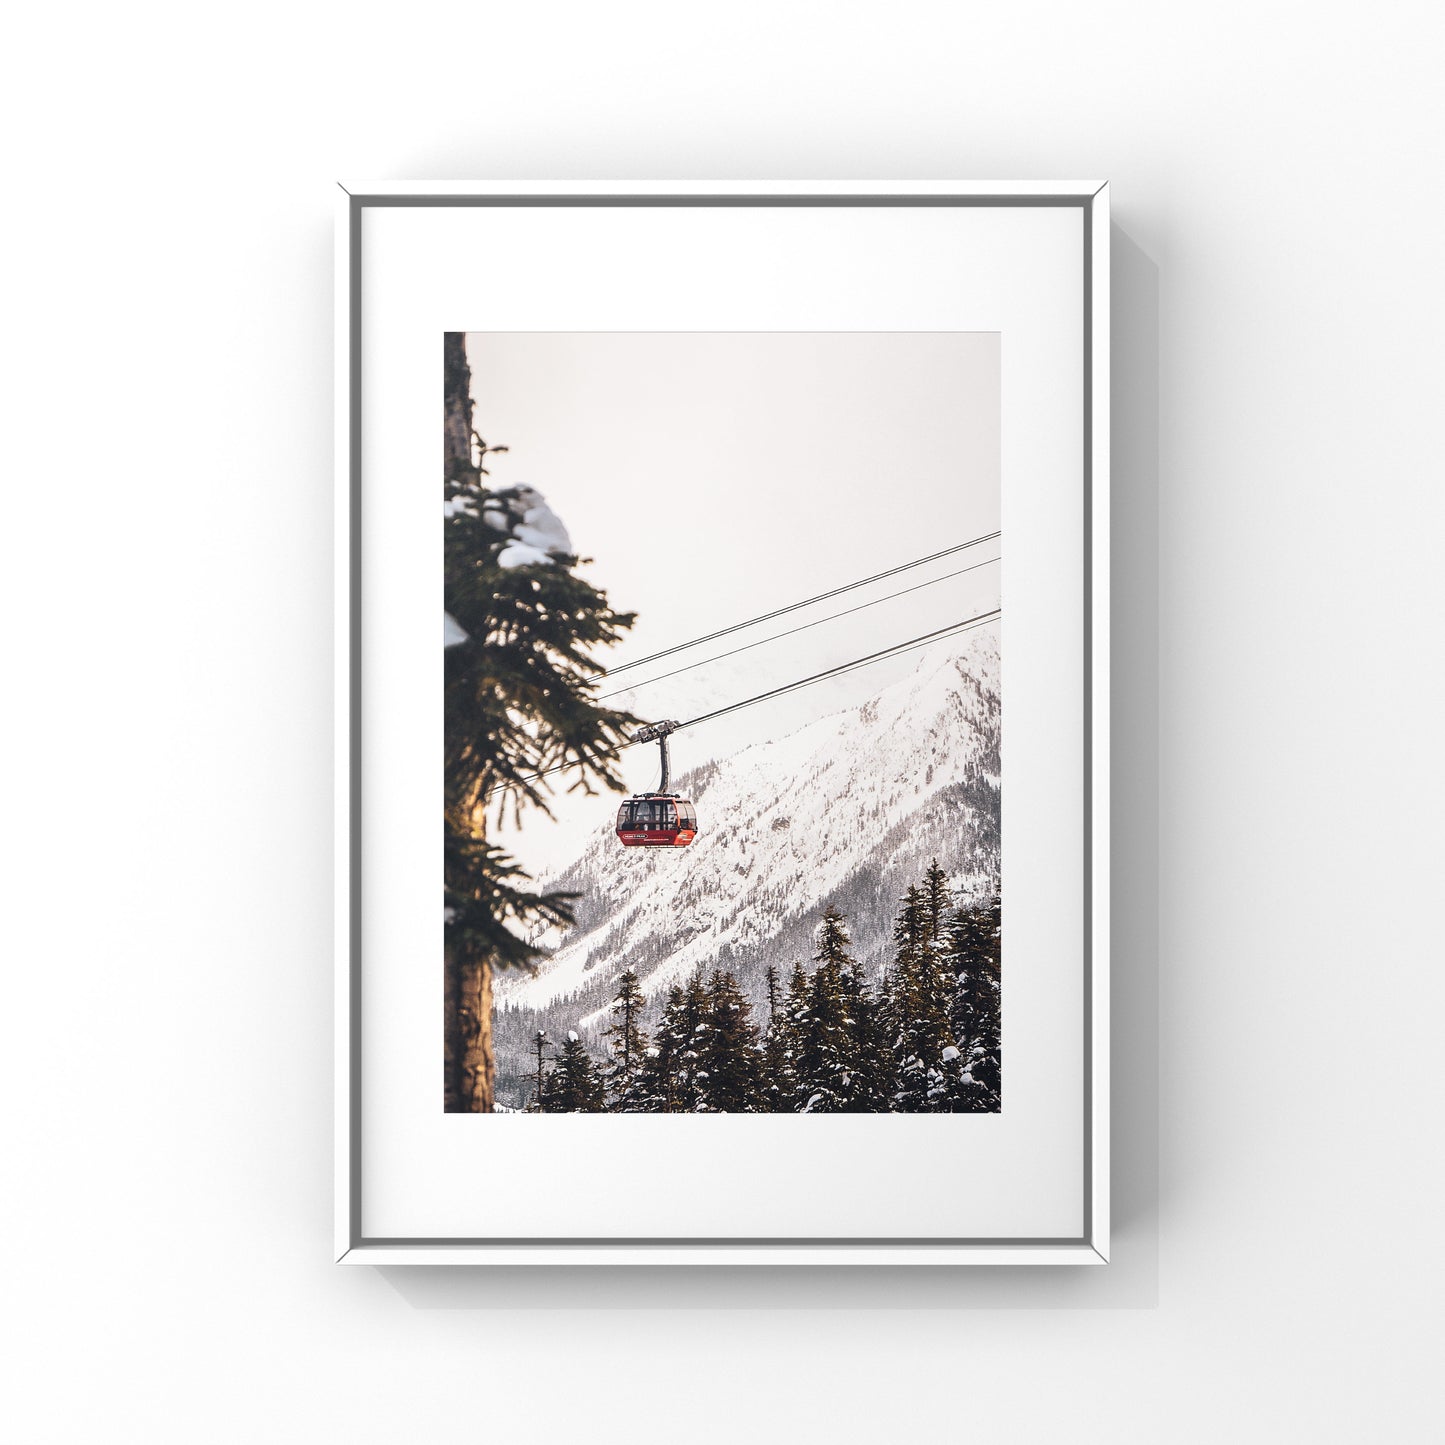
x: 922, y: 1036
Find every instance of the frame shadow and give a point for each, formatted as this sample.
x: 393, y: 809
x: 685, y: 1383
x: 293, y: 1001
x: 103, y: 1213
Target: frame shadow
x: 1131, y: 1279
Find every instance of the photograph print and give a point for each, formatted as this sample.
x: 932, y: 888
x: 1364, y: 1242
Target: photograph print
x: 723, y: 619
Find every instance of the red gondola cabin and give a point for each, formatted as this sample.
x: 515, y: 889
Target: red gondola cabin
x: 656, y: 821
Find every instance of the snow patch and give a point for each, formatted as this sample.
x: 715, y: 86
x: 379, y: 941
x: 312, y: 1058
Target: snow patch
x: 537, y: 537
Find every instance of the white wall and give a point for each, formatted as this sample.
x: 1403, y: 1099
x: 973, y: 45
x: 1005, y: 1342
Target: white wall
x: 165, y: 580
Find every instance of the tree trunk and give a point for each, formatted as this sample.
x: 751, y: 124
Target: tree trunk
x: 470, y: 1065
x: 458, y: 456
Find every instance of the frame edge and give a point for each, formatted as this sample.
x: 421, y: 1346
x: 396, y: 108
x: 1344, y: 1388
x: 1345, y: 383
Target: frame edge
x: 1093, y: 1249
x: 1064, y: 189
x: 1100, y: 674
x: 590, y: 1256
x: 342, y: 882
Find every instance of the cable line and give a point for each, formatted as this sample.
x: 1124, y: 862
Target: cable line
x: 897, y: 650
x: 968, y: 624
x: 802, y: 627
x: 806, y: 602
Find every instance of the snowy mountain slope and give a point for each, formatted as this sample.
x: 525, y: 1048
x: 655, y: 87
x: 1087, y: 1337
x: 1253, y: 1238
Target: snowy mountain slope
x: 846, y: 811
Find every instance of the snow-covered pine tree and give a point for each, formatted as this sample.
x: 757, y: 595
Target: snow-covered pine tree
x: 828, y: 1058
x: 657, y: 1085
x: 907, y: 1006
x: 668, y: 1083
x: 776, y: 1095
x: 694, y: 1027
x: 786, y: 1044
x: 729, y: 1080
x: 520, y: 697
x: 574, y: 1086
x: 922, y: 996
x: 885, y: 1034
x: 974, y: 943
x: 872, y: 1090
x: 935, y: 899
x: 910, y: 932
x: 953, y: 1088
x: 628, y: 1049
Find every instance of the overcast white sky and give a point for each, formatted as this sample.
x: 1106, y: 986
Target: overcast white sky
x: 716, y: 476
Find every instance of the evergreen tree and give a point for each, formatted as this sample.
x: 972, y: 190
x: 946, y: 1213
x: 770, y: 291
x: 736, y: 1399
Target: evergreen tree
x: 729, y: 1079
x: 657, y: 1090
x: 919, y: 994
x: 834, y: 947
x: 903, y: 990
x: 628, y: 1049
x: 574, y: 1086
x: 777, y: 1086
x: 828, y: 1060
x: 771, y: 986
x: 953, y: 1089
x: 784, y: 1047
x: 693, y: 1029
x: 877, y: 1078
x: 536, y: 1105
x: 520, y: 698
x: 910, y: 931
x: 935, y: 899
x: 974, y: 1079
x: 668, y: 1082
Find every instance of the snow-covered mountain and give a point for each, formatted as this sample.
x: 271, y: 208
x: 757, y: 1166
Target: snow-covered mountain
x: 846, y: 812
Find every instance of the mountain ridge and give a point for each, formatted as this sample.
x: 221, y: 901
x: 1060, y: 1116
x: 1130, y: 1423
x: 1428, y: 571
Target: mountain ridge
x: 845, y: 812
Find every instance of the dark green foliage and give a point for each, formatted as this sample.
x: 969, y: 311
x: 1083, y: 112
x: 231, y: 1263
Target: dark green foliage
x: 486, y: 902
x: 628, y: 1049
x: 876, y: 1081
x: 520, y: 698
x: 783, y: 1047
x: 935, y: 898
x: 777, y: 1081
x: 911, y: 929
x: 669, y: 1076
x: 657, y: 1091
x: 974, y: 955
x: 574, y: 1086
x: 729, y: 1078
x: 693, y: 1027
x: 922, y: 1039
x: 829, y: 1060
x: 520, y: 693
x: 795, y: 1007
x: 833, y: 942
x: 918, y: 1000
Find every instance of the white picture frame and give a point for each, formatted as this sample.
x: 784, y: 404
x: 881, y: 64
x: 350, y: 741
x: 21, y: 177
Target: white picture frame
x: 355, y: 296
